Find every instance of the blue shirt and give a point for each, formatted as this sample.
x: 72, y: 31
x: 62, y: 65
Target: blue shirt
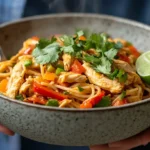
x: 14, y: 9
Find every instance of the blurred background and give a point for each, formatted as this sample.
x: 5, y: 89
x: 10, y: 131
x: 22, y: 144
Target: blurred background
x: 10, y: 10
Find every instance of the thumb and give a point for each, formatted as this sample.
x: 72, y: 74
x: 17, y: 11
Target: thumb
x: 6, y: 130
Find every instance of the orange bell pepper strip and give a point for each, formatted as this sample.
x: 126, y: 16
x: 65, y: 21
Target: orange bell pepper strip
x: 44, y: 91
x: 134, y: 51
x: 93, y: 101
x: 82, y: 38
x: 77, y: 67
x: 49, y: 76
x: 3, y: 85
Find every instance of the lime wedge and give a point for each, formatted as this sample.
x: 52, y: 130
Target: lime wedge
x: 143, y: 66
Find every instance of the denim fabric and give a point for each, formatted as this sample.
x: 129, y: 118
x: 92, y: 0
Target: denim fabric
x: 11, y: 9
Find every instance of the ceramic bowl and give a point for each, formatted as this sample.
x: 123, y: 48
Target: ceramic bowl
x: 73, y: 127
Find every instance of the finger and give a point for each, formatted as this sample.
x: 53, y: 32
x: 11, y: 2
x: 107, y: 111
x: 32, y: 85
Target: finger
x: 105, y: 147
x: 141, y: 139
x: 6, y: 130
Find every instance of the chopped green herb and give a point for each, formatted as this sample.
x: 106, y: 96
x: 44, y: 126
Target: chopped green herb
x: 19, y: 97
x: 45, y: 42
x: 80, y: 33
x: 80, y: 89
x: 68, y: 49
x: 27, y: 63
x: 114, y: 74
x: 122, y: 76
x: 66, y: 93
x: 92, y: 59
x: 110, y: 54
x: 123, y: 94
x: 104, y: 67
x: 106, y: 101
x: 52, y: 102
x: 118, y: 45
x: 47, y: 54
x: 67, y: 40
x: 59, y: 70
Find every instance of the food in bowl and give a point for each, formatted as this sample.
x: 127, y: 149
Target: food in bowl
x: 76, y: 71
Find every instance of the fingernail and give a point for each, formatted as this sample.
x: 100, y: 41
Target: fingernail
x: 115, y: 144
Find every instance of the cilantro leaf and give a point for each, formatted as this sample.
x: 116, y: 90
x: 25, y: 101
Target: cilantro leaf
x: 48, y: 54
x: 80, y: 33
x: 67, y: 49
x: 122, y: 76
x: 92, y: 59
x: 104, y: 67
x: 110, y: 54
x: 106, y: 101
x: 67, y: 40
x: 44, y: 42
x: 118, y: 45
x: 114, y: 74
x: 123, y: 94
x: 80, y: 89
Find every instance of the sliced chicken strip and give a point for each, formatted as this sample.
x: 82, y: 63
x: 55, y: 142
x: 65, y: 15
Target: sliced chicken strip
x: 102, y: 81
x: 16, y: 80
x: 67, y: 61
x: 25, y: 86
x: 132, y: 75
x: 71, y: 77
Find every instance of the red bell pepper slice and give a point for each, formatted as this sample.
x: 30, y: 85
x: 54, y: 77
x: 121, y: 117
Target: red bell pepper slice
x: 124, y: 58
x: 93, y: 101
x: 48, y: 92
x: 77, y: 67
x: 134, y: 51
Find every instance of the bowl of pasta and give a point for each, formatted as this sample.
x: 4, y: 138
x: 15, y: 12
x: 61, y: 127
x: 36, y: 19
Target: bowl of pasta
x: 75, y: 79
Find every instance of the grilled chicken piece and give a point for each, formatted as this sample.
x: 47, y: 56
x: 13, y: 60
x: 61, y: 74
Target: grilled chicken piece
x: 132, y: 75
x: 25, y: 86
x: 67, y: 61
x: 123, y: 65
x: 16, y: 80
x: 71, y: 77
x: 103, y: 82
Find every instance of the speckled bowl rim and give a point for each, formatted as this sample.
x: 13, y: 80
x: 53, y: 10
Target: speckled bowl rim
x: 81, y: 15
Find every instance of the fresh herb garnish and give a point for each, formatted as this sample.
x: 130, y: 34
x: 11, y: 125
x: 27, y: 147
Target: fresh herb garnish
x: 123, y: 94
x: 122, y: 76
x: 59, y: 70
x: 52, y: 102
x: 80, y: 33
x: 104, y: 67
x: 113, y: 75
x: 47, y: 51
x: 66, y: 93
x: 111, y: 53
x: 107, y: 52
x: 106, y: 101
x: 19, y: 97
x: 27, y: 63
x: 80, y: 89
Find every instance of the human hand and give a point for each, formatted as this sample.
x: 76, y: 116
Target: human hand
x: 135, y: 141
x: 6, y: 130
